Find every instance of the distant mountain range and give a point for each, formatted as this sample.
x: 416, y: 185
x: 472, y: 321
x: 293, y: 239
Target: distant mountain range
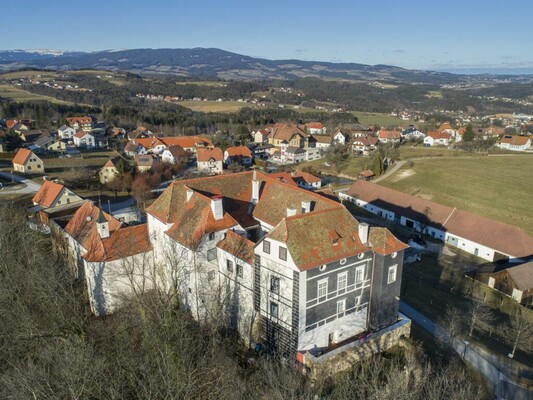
x: 211, y: 63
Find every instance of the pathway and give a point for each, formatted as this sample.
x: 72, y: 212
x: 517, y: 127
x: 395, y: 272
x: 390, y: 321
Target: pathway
x: 25, y: 186
x: 503, y: 386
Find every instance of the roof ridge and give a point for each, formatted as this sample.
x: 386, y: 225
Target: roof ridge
x: 337, y: 208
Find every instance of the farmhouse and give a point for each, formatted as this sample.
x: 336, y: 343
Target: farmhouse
x: 51, y: 201
x: 26, y: 162
x: 283, y: 265
x: 482, y: 237
x: 316, y: 128
x: 386, y: 136
x: 514, y: 143
x: 364, y: 144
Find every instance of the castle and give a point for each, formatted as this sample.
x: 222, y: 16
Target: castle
x: 282, y: 265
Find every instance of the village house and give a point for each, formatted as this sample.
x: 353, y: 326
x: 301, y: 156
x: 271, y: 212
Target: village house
x: 322, y: 141
x: 145, y: 162
x: 341, y: 138
x: 66, y: 132
x: 47, y: 144
x: 210, y: 160
x: 175, y: 154
x: 261, y: 135
x: 316, y: 128
x: 238, y: 154
x: 386, y: 136
x: 111, y: 169
x: 84, y: 139
x: 301, y: 179
x: 437, y: 139
x: 80, y: 123
x: 412, y: 133
x: 26, y: 162
x: 514, y: 143
x: 160, y: 144
x: 482, y: 237
x: 364, y: 144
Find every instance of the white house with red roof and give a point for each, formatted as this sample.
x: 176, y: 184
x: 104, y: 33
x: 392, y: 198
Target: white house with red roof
x: 316, y: 128
x: 210, y: 160
x: 514, y: 143
x: 386, y: 136
x: 27, y: 162
x: 84, y: 139
x: 238, y: 154
x: 437, y: 138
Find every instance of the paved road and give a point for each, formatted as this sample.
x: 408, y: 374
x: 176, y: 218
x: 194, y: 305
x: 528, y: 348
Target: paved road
x: 24, y: 185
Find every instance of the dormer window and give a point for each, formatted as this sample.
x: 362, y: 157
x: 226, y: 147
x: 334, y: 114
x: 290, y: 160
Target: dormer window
x: 334, y: 236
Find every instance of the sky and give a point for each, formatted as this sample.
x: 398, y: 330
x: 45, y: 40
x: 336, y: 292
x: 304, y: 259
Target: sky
x: 436, y: 35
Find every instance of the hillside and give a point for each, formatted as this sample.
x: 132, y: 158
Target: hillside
x: 218, y: 63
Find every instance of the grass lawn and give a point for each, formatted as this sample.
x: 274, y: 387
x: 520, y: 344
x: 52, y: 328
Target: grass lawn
x: 380, y: 119
x: 499, y: 188
x: 215, y: 106
x: 17, y: 94
x: 352, y: 167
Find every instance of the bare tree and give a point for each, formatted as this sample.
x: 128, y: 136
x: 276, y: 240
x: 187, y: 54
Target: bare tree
x: 519, y: 332
x: 478, y: 315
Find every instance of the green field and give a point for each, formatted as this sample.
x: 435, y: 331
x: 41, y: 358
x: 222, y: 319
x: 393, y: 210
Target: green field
x: 498, y: 187
x: 17, y: 94
x: 215, y: 106
x: 380, y: 119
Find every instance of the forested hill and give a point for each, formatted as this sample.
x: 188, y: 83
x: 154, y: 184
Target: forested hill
x: 211, y: 62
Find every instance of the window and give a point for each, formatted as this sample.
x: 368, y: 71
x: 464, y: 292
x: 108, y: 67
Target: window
x: 211, y: 275
x: 283, y: 253
x: 359, y: 274
x: 274, y: 310
x: 322, y: 288
x: 274, y: 284
x: 211, y: 236
x: 239, y: 271
x: 211, y: 254
x: 342, y: 281
x: 266, y: 246
x: 341, y: 306
x: 392, y: 274
x: 229, y: 265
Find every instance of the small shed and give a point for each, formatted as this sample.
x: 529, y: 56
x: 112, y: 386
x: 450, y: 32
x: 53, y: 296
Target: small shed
x: 366, y: 175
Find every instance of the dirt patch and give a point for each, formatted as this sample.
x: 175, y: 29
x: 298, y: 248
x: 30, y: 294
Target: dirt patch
x: 403, y: 174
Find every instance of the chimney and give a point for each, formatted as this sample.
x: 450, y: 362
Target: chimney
x: 363, y: 232
x: 256, y: 185
x: 306, y: 206
x: 190, y: 192
x: 217, y: 208
x: 291, y: 211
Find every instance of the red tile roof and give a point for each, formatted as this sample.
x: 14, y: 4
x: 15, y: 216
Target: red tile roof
x: 10, y: 123
x: 80, y: 134
x: 79, y: 120
x: 203, y: 155
x: 238, y: 246
x: 506, y: 239
x: 82, y: 225
x: 22, y: 156
x: 287, y: 131
x: 47, y: 194
x: 239, y: 151
x: 435, y: 135
x: 514, y: 140
x: 315, y: 125
x: 384, y: 134
x: 123, y: 242
x: 319, y: 237
x: 384, y: 242
x: 307, y: 177
x: 178, y: 153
